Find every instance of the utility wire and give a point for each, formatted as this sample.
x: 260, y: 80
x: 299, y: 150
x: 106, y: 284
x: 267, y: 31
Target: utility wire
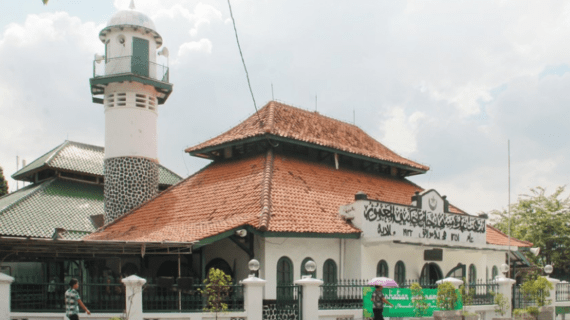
x: 243, y: 62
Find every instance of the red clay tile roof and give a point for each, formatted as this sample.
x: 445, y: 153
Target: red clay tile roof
x: 496, y: 236
x: 285, y: 121
x: 268, y: 192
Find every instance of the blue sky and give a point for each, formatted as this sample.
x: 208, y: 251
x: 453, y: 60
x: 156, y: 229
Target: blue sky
x: 442, y: 83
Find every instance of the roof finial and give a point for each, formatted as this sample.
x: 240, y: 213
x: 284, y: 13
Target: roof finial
x: 132, y: 5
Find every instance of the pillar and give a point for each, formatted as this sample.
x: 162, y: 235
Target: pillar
x: 253, y: 297
x: 550, y: 309
x: 311, y: 293
x: 133, y: 297
x: 5, y: 283
x: 506, y: 289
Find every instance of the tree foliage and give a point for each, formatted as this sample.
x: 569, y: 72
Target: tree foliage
x: 419, y: 300
x: 3, y: 183
x: 216, y: 289
x: 543, y: 220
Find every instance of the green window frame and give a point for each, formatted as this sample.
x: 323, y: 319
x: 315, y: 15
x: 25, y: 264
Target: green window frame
x: 284, y: 278
x: 382, y: 269
x: 284, y: 271
x: 400, y: 272
x: 495, y: 272
x: 329, y: 271
x: 458, y: 272
x: 472, y: 274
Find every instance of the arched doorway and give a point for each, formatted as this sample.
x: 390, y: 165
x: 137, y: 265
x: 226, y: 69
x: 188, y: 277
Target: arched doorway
x: 431, y: 272
x: 458, y: 272
x: 219, y: 263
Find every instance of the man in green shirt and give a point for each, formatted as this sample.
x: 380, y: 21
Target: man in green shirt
x: 73, y: 301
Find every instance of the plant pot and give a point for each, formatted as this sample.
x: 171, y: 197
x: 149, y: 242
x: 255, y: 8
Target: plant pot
x: 546, y: 313
x: 447, y: 315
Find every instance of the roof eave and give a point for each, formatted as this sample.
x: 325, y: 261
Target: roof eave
x: 203, y: 152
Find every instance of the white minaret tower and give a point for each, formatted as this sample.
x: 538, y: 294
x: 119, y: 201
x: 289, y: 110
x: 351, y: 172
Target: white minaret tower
x: 133, y: 85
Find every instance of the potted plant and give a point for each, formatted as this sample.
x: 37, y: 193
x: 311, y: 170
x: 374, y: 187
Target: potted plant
x: 467, y: 296
x: 419, y: 301
x: 502, y: 305
x: 446, y: 301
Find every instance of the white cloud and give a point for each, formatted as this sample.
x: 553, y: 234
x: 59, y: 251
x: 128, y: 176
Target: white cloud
x: 399, y: 131
x: 203, y: 45
x: 43, y: 89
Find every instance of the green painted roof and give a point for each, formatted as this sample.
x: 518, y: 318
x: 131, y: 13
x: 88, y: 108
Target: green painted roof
x: 39, y: 209
x: 83, y: 159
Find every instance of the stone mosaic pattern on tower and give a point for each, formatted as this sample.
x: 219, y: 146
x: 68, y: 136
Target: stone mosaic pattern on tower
x: 129, y: 182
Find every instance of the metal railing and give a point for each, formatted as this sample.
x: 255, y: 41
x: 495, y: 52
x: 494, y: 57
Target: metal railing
x: 130, y: 65
x: 347, y: 294
x: 288, y: 305
x: 164, y: 295
x: 481, y: 292
x: 563, y: 291
x: 522, y: 300
x: 29, y: 294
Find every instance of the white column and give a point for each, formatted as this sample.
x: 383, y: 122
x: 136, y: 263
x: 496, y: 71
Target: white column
x: 311, y: 294
x: 506, y: 289
x: 553, y: 295
x: 5, y: 282
x: 253, y: 297
x: 553, y: 291
x: 133, y: 297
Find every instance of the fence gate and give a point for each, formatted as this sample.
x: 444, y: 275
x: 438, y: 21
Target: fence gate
x: 287, y: 306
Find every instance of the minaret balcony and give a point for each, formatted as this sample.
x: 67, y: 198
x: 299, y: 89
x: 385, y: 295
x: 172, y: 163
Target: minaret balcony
x: 130, y: 64
x: 130, y: 68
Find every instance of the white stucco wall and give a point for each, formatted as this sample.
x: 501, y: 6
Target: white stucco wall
x: 296, y: 249
x: 115, y: 50
x: 360, y: 260
x: 130, y: 131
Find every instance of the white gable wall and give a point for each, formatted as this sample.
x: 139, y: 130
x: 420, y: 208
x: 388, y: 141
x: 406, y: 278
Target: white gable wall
x: 360, y: 261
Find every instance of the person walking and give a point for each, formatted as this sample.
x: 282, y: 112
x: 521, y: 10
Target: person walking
x: 378, y: 301
x: 73, y: 301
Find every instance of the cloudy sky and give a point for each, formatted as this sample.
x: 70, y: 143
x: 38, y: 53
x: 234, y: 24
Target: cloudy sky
x: 444, y: 83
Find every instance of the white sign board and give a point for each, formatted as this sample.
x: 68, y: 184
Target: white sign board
x: 423, y: 221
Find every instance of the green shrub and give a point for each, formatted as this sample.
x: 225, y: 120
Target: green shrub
x: 419, y: 300
x: 503, y: 305
x: 446, y: 296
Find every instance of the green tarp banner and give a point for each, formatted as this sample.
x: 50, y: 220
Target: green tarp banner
x: 401, y: 298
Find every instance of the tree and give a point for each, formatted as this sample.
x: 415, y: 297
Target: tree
x: 543, y: 220
x: 3, y: 183
x: 216, y: 289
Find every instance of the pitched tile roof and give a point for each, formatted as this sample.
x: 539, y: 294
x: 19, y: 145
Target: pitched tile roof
x: 269, y: 192
x: 220, y: 197
x: 37, y: 210
x: 81, y: 158
x: 281, y: 120
x: 496, y: 236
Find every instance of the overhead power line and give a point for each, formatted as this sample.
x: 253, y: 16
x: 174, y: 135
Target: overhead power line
x: 243, y: 61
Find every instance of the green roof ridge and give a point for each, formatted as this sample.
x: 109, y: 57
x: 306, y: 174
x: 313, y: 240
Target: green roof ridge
x: 41, y: 161
x: 81, y: 158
